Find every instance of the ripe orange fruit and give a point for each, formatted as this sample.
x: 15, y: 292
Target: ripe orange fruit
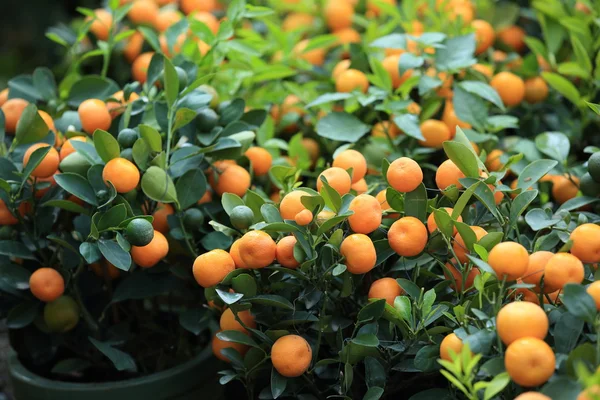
x: 484, y: 35
x: 521, y: 319
x: 350, y: 80
x: 116, y: 108
x: 161, y: 215
x: 291, y: 204
x: 94, y: 114
x: 352, y: 159
x: 166, y: 18
x: 514, y: 37
x: 536, y: 90
x: 564, y: 189
x: 435, y: 133
x: 49, y: 164
x: 340, y: 67
x: 460, y: 249
x: 509, y: 260
x: 12, y: 109
x: 228, y: 321
x: 382, y: 199
x: 360, y: 187
x: 510, y: 87
x: 485, y: 70
x: 134, y: 46
x: 257, y: 249
x: 561, y: 269
x: 390, y: 63
x: 493, y: 162
x: 367, y: 214
x: 291, y: 355
x: 143, y: 12
x: 432, y: 225
x: 231, y: 178
x: 450, y: 345
x: 48, y: 120
x: 586, y: 243
x: 385, y: 288
x: 404, y: 174
x: 234, y: 252
x: 139, y: 68
x: 285, y: 252
x: 189, y: 6
x: 532, y: 396
x: 529, y: 361
x: 296, y: 20
x: 338, y: 178
x: 208, y: 19
x: 385, y: 128
x: 46, y: 284
x: 448, y: 174
x: 359, y: 251
x: 122, y: 173
x: 535, y: 269
x: 347, y: 36
x: 67, y: 148
x: 103, y: 21
x: 261, y: 160
x: 594, y: 290
x: 408, y: 236
x: 211, y: 268
x: 218, y: 345
x: 149, y: 255
x: 6, y: 217
x: 338, y: 14
x: 314, y: 57
x: 458, y: 276
x: 451, y: 120
x: 304, y: 217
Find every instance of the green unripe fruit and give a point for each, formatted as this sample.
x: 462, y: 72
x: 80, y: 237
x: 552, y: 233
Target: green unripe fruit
x: 127, y: 138
x: 183, y: 78
x: 139, y: 232
x: 127, y: 154
x: 193, y: 218
x: 589, y: 186
x: 206, y: 119
x: 594, y: 166
x: 75, y: 163
x: 62, y: 314
x: 241, y: 217
x: 214, y: 102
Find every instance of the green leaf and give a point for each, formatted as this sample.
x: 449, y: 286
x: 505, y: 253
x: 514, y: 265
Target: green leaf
x: 374, y: 393
x: 469, y: 108
x: 171, y: 83
x: 190, y: 188
x: 91, y: 87
x: 183, y: 116
x: 409, y: 124
x: 409, y: 61
x: 444, y: 222
x: 463, y: 157
x: 44, y: 82
x: 112, y: 218
x: 520, y: 204
x: 121, y: 360
x: 230, y: 201
x: 158, y: 186
x: 272, y: 300
x: 237, y: 337
x: 484, y: 91
x: 31, y: 127
x: 553, y: 144
x: 141, y: 152
x: 278, y: 383
x: 71, y: 366
x: 329, y: 98
x: 78, y: 186
x: 341, y: 126
x: 581, y: 54
x: 579, y: 303
x: 152, y: 138
x: 22, y: 314
x: 34, y: 160
x: 65, y: 205
x: 457, y: 53
x: 534, y: 172
x: 367, y: 340
x: 372, y: 311
x: 415, y: 203
x: 115, y: 254
x: 331, y: 197
x: 594, y: 107
x: 563, y: 86
x: 106, y: 145
x: 90, y: 252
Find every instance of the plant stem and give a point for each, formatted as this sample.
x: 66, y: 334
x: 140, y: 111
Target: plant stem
x: 185, y: 235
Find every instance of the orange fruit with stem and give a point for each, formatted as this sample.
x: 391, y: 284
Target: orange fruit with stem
x: 385, y: 128
x: 211, y: 268
x: 509, y: 260
x: 448, y: 174
x: 404, y: 174
x: 367, y: 214
x: 385, y: 288
x: 340, y: 67
x: 521, y: 319
x: 561, y: 269
x: 49, y: 164
x: 564, y: 188
x: 408, y: 236
x: 435, y: 133
x: 338, y: 178
x: 586, y: 243
x: 46, y: 284
x: 161, y: 217
x: 352, y: 159
x: 94, y: 114
x: 529, y: 361
x: 359, y: 253
x: 230, y: 178
x: 257, y: 249
x: 291, y: 204
x: 122, y: 173
x: 6, y: 217
x: 229, y: 322
x: 291, y: 355
x: 285, y: 252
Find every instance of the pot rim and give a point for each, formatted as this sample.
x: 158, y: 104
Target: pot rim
x: 19, y: 372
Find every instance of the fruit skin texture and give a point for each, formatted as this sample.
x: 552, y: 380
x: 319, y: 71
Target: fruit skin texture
x: 210, y: 268
x: 536, y: 267
x: 484, y: 34
x: 241, y: 217
x: 509, y: 260
x: 291, y: 204
x: 231, y: 178
x: 303, y: 218
x: 338, y: 179
x: 49, y: 164
x: 228, y: 322
x: 161, y: 215
x: 94, y: 114
x: 149, y: 255
x: 352, y: 159
x: 257, y: 249
x: 521, y: 319
x: 510, y: 87
x: 350, y: 80
x: 435, y: 133
x: 513, y: 36
x: 448, y: 174
x: 390, y: 63
x: 291, y: 355
x: 139, y: 68
x: 62, y: 314
x: 561, y: 269
x: 140, y: 232
x: 367, y: 214
x: 101, y: 25
x: 460, y: 249
x: 218, y: 345
x: 529, y: 361
x: 143, y: 12
x: 13, y: 109
x: 450, y: 342
x: 564, y: 189
x: 285, y: 252
x: 594, y: 291
x: 385, y: 288
x: 338, y: 15
x: 6, y: 217
x: 360, y: 254
x: 234, y: 252
x: 261, y: 160
x: 586, y: 243
x: 404, y: 174
x: 122, y: 173
x: 408, y: 236
x: 67, y: 147
x: 46, y: 284
x: 536, y: 90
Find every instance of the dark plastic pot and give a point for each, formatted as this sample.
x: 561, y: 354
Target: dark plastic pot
x: 196, y: 379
